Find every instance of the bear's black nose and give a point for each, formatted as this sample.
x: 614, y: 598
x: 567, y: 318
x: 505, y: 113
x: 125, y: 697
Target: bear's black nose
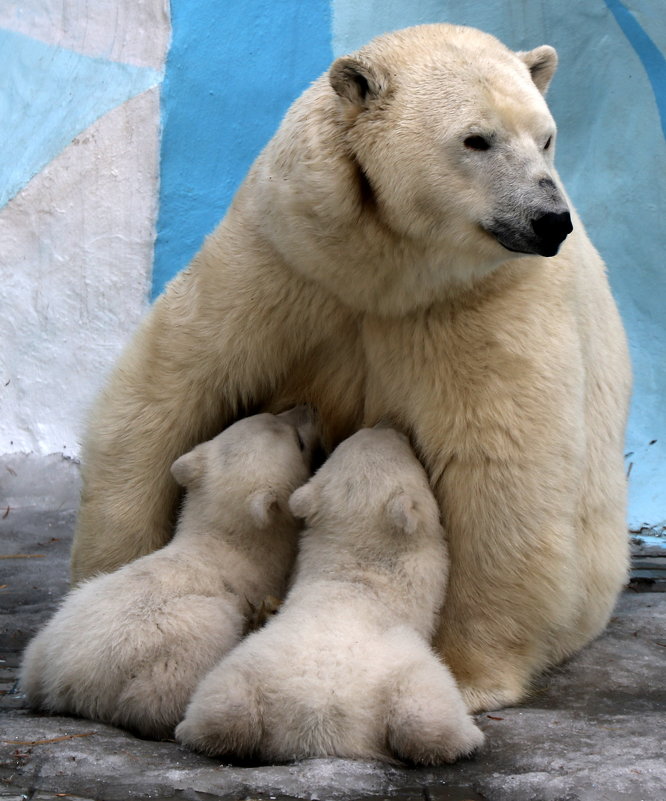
x: 552, y: 229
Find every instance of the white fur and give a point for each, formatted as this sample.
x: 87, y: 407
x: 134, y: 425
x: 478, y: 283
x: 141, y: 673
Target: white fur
x: 345, y: 667
x: 129, y: 647
x: 355, y: 271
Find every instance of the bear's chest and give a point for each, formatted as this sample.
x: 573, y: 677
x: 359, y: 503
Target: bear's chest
x: 476, y: 381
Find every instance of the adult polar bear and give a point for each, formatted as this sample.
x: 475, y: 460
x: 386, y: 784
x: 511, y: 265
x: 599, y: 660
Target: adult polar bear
x: 392, y: 254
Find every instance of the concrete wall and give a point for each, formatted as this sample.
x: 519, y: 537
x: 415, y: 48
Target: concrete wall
x: 79, y: 197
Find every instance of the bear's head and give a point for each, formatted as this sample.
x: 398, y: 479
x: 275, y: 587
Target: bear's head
x: 251, y: 468
x: 454, y: 141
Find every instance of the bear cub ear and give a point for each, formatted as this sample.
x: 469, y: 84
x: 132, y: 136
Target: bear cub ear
x: 302, y: 501
x: 358, y: 81
x: 401, y: 512
x: 542, y: 63
x: 188, y: 467
x: 263, y: 505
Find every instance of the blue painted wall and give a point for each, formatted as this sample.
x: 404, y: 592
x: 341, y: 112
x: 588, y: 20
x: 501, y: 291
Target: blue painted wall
x: 235, y: 67
x: 232, y: 71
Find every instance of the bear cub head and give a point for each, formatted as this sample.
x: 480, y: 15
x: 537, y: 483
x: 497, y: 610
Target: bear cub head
x: 253, y: 466
x: 373, y: 483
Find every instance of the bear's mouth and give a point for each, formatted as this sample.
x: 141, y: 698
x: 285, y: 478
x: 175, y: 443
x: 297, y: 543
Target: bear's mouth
x: 510, y: 239
x: 514, y: 249
x: 516, y: 240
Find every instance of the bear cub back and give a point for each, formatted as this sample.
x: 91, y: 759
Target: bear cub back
x: 129, y: 647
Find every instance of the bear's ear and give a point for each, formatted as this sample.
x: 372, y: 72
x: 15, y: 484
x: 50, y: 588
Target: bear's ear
x: 402, y: 513
x: 358, y: 81
x: 188, y: 468
x: 542, y: 63
x: 263, y: 504
x: 302, y: 501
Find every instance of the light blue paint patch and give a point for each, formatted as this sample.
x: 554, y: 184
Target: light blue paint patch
x: 650, y: 55
x: 232, y: 71
x: 47, y: 96
x: 612, y: 157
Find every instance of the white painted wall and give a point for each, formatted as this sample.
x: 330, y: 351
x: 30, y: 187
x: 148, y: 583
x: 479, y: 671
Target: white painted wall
x: 76, y: 242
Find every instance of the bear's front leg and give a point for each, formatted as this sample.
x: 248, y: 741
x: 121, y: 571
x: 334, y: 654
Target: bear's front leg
x: 516, y: 579
x: 495, y: 407
x: 223, y: 339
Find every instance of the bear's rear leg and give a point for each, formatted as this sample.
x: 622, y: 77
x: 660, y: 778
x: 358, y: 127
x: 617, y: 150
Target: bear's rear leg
x: 224, y: 716
x: 428, y: 723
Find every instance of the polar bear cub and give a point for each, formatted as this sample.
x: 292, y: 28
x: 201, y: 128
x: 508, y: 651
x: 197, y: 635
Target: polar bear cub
x: 129, y: 647
x: 345, y: 668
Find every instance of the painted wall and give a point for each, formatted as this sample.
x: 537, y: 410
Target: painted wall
x: 232, y: 72
x: 76, y: 235
x: 79, y: 166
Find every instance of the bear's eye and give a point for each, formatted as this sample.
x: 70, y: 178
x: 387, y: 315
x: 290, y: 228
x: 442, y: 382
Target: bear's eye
x: 549, y: 142
x: 477, y: 143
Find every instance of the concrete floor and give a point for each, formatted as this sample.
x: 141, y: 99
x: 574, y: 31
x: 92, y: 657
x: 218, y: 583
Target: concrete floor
x: 593, y: 730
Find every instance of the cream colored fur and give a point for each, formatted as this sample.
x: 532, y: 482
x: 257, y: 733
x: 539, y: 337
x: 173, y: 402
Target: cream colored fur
x: 355, y: 270
x: 129, y: 647
x: 345, y: 668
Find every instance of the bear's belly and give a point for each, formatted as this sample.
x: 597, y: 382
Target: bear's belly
x: 332, y: 378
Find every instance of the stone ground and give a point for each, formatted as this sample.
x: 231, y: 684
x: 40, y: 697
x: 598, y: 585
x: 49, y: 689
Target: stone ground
x: 593, y: 730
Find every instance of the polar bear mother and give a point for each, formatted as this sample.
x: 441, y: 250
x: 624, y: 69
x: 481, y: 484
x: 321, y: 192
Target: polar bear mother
x: 401, y: 249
